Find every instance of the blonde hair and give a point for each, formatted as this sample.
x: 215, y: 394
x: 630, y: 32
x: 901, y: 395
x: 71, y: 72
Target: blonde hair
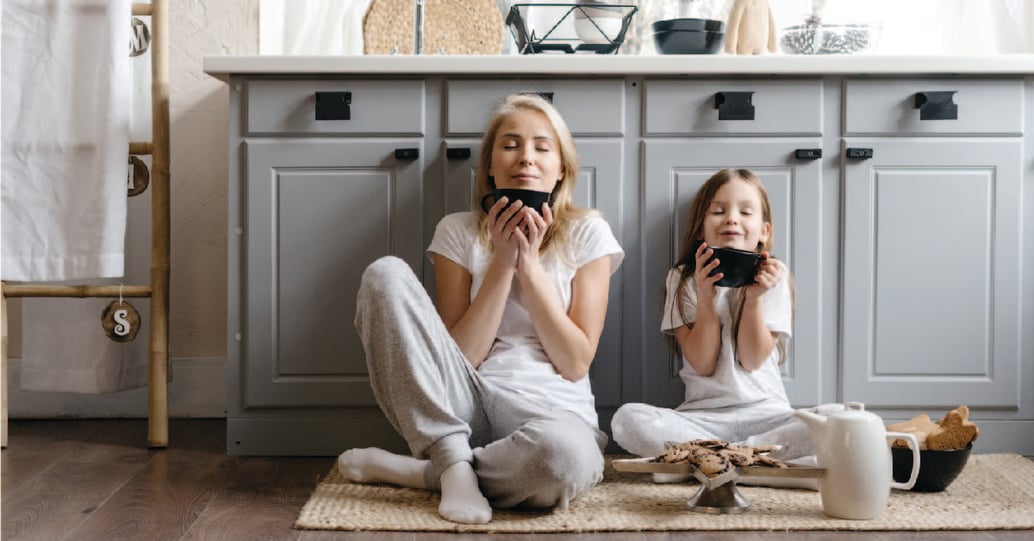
x: 564, y: 211
x: 695, y: 233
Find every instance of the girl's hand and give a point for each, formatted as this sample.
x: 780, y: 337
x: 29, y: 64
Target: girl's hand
x: 531, y: 229
x: 702, y: 275
x: 503, y: 227
x: 769, y: 273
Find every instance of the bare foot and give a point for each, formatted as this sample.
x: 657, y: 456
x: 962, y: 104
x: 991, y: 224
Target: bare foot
x: 373, y: 465
x: 462, y: 500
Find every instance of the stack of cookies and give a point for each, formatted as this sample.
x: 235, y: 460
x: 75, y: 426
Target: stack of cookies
x: 716, y: 457
x: 953, y: 431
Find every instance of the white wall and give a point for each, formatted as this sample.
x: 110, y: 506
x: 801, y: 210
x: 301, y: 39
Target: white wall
x: 198, y: 112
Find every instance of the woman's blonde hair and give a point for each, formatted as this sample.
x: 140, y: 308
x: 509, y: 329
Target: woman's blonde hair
x: 564, y: 210
x: 695, y: 233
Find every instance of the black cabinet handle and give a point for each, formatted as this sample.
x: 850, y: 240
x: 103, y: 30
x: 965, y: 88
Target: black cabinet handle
x: 548, y: 96
x: 807, y: 153
x: 937, y: 105
x: 333, y: 105
x: 734, y: 105
x: 407, y: 153
x: 859, y: 153
x: 462, y: 153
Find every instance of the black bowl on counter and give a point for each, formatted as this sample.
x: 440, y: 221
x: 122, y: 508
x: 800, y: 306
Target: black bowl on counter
x: 710, y: 25
x: 688, y: 41
x: 937, y: 469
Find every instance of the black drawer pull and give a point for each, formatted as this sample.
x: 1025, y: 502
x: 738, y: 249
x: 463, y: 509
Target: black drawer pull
x: 548, y: 96
x: 407, y: 153
x: 734, y: 105
x: 457, y: 153
x: 807, y: 153
x: 937, y: 105
x: 333, y: 106
x: 859, y: 153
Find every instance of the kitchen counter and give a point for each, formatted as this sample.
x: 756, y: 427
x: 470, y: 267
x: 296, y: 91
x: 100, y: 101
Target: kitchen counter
x: 582, y: 64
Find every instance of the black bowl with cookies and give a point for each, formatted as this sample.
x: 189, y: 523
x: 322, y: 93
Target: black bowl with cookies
x: 944, y: 449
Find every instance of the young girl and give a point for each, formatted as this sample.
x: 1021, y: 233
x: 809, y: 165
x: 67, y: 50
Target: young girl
x: 492, y: 392
x: 732, y: 340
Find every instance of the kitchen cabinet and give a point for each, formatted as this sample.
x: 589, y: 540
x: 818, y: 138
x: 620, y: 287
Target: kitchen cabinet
x: 908, y: 238
x: 932, y: 242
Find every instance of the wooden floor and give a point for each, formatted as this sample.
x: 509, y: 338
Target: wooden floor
x: 93, y: 479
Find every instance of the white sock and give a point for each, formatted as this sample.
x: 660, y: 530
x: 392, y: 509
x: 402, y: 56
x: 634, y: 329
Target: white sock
x: 661, y: 478
x: 373, y: 465
x: 462, y: 500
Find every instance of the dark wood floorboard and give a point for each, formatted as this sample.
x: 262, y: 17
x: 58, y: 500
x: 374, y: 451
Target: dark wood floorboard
x: 95, y: 479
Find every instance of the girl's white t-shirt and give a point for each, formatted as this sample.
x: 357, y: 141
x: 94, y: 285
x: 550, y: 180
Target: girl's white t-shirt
x: 517, y: 360
x: 730, y: 385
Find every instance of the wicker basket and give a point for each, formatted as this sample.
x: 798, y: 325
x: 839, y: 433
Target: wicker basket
x: 450, y: 27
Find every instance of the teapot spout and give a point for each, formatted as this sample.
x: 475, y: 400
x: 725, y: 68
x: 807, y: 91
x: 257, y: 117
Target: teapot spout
x: 814, y: 421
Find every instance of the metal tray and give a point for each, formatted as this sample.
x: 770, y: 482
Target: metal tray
x: 716, y: 495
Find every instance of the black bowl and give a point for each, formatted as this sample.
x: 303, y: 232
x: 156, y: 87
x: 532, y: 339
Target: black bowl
x: 530, y: 198
x: 937, y: 469
x: 738, y: 266
x: 688, y: 41
x: 711, y: 25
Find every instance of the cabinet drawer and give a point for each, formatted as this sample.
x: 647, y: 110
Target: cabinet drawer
x: 875, y: 106
x: 708, y: 107
x: 375, y: 106
x: 589, y: 107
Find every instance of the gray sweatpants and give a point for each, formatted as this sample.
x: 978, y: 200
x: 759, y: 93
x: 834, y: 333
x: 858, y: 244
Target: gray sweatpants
x: 644, y: 429
x: 523, y: 453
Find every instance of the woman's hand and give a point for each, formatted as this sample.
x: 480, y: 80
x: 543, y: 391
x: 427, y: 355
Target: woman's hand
x: 531, y: 230
x: 504, y: 225
x: 768, y: 275
x: 702, y: 275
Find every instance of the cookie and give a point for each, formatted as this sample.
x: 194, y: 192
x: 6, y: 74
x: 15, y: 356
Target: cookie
x: 919, y: 426
x: 956, y: 431
x: 714, y: 465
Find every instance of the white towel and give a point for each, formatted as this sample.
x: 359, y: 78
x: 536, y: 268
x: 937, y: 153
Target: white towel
x: 65, y: 112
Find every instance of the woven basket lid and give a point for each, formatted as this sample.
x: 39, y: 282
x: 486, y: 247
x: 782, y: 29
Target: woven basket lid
x: 452, y: 26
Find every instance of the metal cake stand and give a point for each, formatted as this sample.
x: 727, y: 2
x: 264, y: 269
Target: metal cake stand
x: 716, y: 495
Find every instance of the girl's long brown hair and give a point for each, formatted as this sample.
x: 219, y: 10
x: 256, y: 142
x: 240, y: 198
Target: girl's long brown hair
x: 695, y: 233
x: 564, y: 210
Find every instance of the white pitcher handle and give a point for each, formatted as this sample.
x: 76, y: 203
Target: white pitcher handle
x: 914, y: 445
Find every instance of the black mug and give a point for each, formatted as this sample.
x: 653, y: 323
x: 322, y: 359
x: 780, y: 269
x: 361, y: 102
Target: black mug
x: 738, y: 266
x: 530, y: 198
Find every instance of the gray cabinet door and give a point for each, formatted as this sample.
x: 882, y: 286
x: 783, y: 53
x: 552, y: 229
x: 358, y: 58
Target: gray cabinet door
x: 317, y: 212
x: 599, y: 187
x: 931, y: 263
x: 674, y: 171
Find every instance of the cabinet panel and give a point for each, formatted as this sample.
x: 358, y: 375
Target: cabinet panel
x: 675, y: 170
x: 931, y: 273
x: 874, y: 106
x: 289, y: 107
x: 358, y: 202
x: 688, y: 107
x: 594, y: 106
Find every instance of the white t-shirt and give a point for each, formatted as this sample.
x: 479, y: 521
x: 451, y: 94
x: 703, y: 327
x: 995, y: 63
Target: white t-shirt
x: 517, y: 360
x: 730, y: 385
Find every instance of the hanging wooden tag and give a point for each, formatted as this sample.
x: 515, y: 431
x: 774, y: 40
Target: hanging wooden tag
x: 139, y: 176
x: 121, y: 321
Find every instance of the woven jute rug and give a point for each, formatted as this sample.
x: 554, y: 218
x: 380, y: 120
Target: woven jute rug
x: 995, y: 491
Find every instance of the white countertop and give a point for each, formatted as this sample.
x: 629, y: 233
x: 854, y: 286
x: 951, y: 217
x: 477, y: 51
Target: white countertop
x: 589, y: 64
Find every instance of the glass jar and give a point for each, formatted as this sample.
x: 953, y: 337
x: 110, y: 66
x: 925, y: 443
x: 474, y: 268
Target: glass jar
x: 832, y: 27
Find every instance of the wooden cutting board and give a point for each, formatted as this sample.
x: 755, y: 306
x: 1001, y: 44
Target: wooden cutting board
x: 450, y: 27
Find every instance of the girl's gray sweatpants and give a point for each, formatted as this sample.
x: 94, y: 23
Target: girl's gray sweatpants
x: 523, y: 453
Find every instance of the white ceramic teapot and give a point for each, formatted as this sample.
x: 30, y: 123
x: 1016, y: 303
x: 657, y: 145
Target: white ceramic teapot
x: 853, y: 449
